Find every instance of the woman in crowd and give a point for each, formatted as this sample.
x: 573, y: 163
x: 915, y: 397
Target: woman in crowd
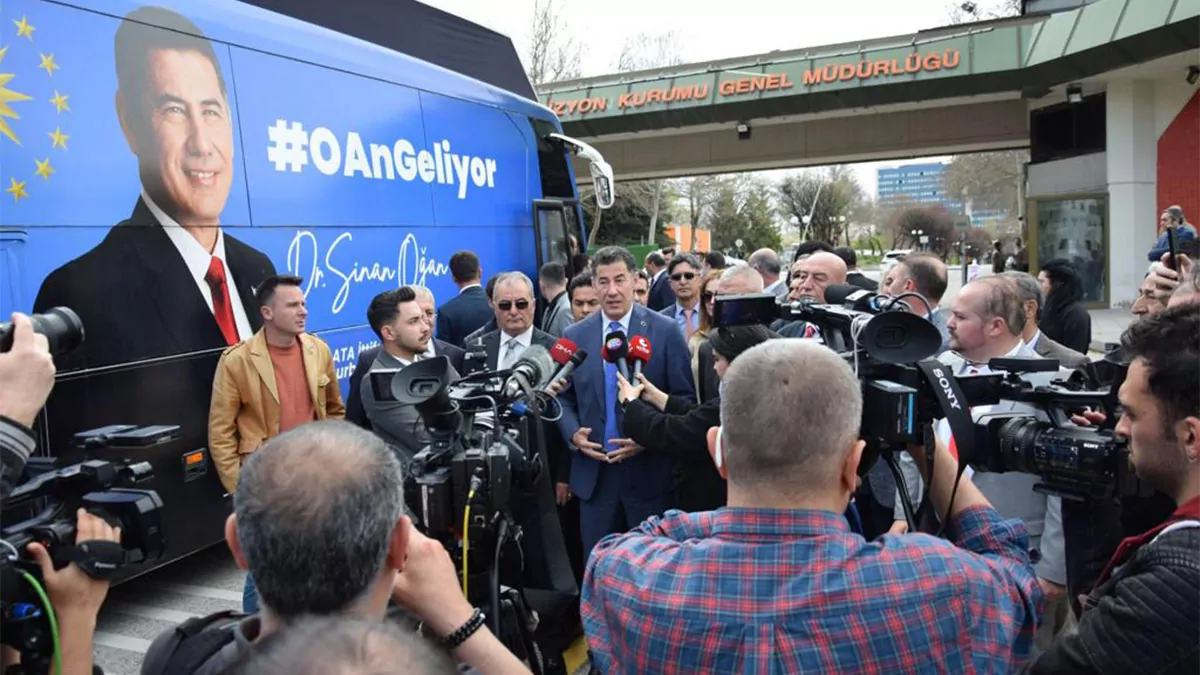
x: 708, y: 294
x: 669, y: 424
x: 1064, y: 318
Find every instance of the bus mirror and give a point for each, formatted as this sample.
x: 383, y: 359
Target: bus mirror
x: 602, y: 181
x: 602, y: 173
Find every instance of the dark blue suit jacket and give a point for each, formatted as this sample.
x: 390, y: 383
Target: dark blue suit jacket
x: 583, y: 403
x: 463, y: 314
x: 661, y: 294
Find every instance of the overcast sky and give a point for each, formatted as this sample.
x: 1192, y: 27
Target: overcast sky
x: 713, y: 30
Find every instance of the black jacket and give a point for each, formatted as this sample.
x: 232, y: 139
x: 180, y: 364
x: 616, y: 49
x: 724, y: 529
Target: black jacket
x: 861, y: 280
x: 137, y: 300
x: 709, y: 385
x: 463, y: 314
x: 661, y: 294
x: 354, y: 404
x: 682, y: 432
x: 1069, y: 325
x: 1143, y: 620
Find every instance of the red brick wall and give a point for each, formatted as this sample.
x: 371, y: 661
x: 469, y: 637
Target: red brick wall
x: 1179, y: 162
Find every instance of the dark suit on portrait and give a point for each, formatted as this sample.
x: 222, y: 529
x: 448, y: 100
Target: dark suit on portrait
x: 641, y: 486
x: 137, y: 300
x: 354, y: 405
x: 661, y: 294
x: 462, y: 314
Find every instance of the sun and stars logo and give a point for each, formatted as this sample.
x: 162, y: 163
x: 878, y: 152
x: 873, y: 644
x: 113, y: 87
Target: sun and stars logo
x: 13, y: 102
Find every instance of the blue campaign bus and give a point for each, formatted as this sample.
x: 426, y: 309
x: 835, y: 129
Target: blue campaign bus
x: 142, y: 146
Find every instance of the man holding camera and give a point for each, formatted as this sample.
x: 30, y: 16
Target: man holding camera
x: 1144, y: 614
x: 26, y: 379
x: 987, y: 323
x: 777, y: 582
x: 319, y: 523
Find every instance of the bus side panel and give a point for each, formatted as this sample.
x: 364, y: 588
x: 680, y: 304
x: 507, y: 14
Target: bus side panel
x: 223, y: 147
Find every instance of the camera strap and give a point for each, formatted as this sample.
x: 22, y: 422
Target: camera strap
x: 953, y: 406
x: 98, y: 558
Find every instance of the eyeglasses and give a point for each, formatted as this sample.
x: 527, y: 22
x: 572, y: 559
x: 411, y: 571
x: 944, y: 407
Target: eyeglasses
x: 506, y: 305
x: 680, y: 276
x: 708, y: 296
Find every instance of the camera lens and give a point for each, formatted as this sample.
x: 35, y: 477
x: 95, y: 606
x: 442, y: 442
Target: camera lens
x: 60, y: 325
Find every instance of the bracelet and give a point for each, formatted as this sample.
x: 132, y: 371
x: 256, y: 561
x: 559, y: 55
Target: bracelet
x: 460, y: 635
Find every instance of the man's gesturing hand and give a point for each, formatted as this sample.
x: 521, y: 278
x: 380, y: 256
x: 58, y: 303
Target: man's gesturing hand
x: 26, y: 373
x: 593, y: 450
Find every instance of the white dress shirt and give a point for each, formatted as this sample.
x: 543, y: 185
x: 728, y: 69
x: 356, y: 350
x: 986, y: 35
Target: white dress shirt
x: 605, y: 321
x: 197, y: 260
x: 523, y: 340
x: 431, y: 351
x: 1034, y: 340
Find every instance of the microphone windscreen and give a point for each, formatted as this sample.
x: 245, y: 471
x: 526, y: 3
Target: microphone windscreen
x: 836, y: 294
x: 639, y: 348
x: 562, y: 351
x: 616, y: 347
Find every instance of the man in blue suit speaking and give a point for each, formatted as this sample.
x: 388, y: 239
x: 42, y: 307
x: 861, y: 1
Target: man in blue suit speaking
x: 618, y: 484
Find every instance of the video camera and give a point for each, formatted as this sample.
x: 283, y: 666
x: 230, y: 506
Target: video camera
x: 478, y: 478
x: 905, y: 390
x: 43, y: 510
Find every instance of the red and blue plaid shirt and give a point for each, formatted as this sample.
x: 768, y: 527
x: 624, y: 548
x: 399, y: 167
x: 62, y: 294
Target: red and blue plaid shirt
x: 794, y: 591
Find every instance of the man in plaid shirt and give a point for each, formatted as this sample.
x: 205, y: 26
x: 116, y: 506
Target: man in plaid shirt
x: 777, y: 583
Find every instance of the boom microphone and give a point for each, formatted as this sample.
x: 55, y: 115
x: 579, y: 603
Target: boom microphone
x: 639, y: 354
x: 616, y: 350
x: 530, y: 372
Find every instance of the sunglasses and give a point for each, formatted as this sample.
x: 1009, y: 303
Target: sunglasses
x: 708, y: 295
x: 506, y: 305
x: 680, y: 276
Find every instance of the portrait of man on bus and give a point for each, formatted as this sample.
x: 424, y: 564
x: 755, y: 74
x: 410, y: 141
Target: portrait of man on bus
x: 167, y: 280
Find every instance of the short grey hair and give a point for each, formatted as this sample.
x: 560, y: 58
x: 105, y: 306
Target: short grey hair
x: 342, y: 644
x: 813, y: 392
x: 316, y: 507
x: 424, y: 291
x: 511, y: 277
x: 1028, y: 288
x: 766, y: 260
x: 747, y: 274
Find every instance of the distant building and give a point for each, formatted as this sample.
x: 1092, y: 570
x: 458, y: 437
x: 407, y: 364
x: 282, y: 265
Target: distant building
x: 921, y: 185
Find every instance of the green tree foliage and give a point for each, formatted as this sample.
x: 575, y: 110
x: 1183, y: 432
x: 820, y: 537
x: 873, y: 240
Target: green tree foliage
x: 625, y: 223
x: 832, y: 197
x: 935, y: 223
x: 742, y: 209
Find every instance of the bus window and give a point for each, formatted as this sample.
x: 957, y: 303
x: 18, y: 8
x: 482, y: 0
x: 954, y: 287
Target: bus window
x: 550, y: 222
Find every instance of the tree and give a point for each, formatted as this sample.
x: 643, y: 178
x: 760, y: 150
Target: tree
x: 554, y: 55
x: 831, y: 197
x: 625, y: 222
x: 742, y: 209
x: 640, y: 52
x: 698, y: 194
x: 935, y: 223
x: 981, y: 10
x: 645, y: 51
x: 989, y: 180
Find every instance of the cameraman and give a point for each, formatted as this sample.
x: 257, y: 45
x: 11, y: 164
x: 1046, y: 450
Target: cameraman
x: 26, y: 378
x: 75, y: 597
x: 1144, y: 614
x: 318, y: 521
x: 776, y: 582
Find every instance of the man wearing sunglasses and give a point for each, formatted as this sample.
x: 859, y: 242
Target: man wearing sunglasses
x: 684, y: 273
x: 513, y: 305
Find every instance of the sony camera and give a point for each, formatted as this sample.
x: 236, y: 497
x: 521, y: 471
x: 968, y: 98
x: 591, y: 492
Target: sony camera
x: 905, y: 389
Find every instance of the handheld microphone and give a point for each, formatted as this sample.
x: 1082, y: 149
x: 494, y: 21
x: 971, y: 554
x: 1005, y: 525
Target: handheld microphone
x: 568, y: 357
x: 616, y: 350
x: 639, y: 354
x: 530, y: 372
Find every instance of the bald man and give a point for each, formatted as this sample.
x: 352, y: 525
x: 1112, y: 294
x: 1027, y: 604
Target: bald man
x: 812, y: 276
x: 766, y: 262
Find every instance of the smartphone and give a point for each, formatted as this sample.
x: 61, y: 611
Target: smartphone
x: 1171, y: 246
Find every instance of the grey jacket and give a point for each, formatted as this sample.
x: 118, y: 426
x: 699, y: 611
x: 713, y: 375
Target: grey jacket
x: 1010, y: 493
x: 1049, y: 349
x: 558, y: 316
x: 399, y: 425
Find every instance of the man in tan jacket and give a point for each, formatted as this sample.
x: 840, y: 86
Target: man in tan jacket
x: 275, y: 381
